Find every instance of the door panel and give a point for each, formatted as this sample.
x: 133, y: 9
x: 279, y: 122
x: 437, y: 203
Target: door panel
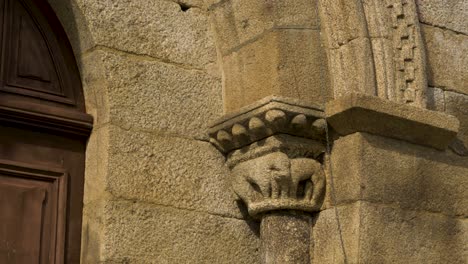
x: 43, y: 134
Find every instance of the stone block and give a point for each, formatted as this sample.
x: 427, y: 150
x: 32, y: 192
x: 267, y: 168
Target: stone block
x: 457, y: 105
x: 95, y: 88
x: 155, y: 96
x: 169, y: 171
x: 447, y: 59
x: 436, y: 99
x: 160, y: 29
x: 388, y: 171
x: 96, y: 165
x: 389, y: 234
x: 136, y: 232
x: 450, y: 14
x: 342, y: 22
x: 328, y: 232
x: 362, y: 113
x: 273, y: 66
x: 353, y: 68
x: 237, y: 22
x: 376, y: 233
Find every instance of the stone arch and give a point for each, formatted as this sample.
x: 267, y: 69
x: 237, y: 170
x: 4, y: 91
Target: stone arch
x: 375, y: 48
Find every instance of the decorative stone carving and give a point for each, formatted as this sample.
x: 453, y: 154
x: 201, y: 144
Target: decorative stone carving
x: 276, y: 182
x: 375, y: 47
x: 410, y: 78
x: 267, y: 117
x: 271, y: 148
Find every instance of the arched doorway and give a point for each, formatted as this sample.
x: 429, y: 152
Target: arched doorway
x: 43, y: 133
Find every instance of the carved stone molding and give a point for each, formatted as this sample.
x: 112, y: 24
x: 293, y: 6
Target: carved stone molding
x: 271, y: 149
x: 267, y: 117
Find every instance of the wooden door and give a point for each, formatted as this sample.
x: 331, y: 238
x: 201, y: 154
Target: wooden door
x: 43, y: 133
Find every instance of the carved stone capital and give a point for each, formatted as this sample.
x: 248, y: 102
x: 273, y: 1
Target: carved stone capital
x: 271, y: 149
x: 270, y: 116
x: 276, y: 182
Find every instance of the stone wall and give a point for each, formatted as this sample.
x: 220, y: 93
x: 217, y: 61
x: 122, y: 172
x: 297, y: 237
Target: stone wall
x: 157, y: 73
x: 155, y: 189
x: 445, y: 30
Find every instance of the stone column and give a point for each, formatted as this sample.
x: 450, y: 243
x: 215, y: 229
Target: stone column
x: 291, y: 228
x: 272, y: 149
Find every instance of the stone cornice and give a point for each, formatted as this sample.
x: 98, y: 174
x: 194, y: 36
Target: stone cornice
x: 270, y: 116
x: 361, y: 113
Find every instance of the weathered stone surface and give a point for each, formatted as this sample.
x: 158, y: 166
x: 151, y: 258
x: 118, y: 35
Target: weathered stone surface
x: 436, y: 99
x: 449, y: 14
x: 151, y: 95
x: 169, y: 171
x: 96, y: 165
x: 447, y: 59
x: 352, y: 67
x: 398, y: 50
x: 135, y: 232
x: 457, y: 105
x: 269, y: 116
x: 374, y: 233
x: 276, y: 182
x: 391, y: 235
x: 285, y: 238
x: 388, y: 171
x: 362, y: 113
x: 159, y: 29
x: 328, y: 233
x: 238, y: 21
x: 95, y: 89
x: 284, y: 62
x: 342, y: 21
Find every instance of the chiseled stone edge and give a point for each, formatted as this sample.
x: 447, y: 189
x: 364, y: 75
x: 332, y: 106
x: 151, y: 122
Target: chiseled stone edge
x: 361, y: 113
x: 267, y: 117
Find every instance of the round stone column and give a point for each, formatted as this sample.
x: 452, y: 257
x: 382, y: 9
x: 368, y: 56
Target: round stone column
x: 285, y: 237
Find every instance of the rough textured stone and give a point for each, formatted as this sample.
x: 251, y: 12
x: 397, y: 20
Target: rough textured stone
x: 374, y: 233
x: 328, y: 232
x: 398, y: 50
x: 435, y: 99
x: 392, y: 235
x: 238, y: 21
x: 269, y: 116
x: 273, y: 65
x: 342, y: 21
x: 97, y: 164
x: 276, y: 182
x: 158, y: 29
x: 285, y: 238
x: 447, y: 59
x: 457, y: 105
x: 388, y: 171
x: 361, y: 113
x: 169, y: 171
x: 449, y: 14
x: 134, y: 232
x: 352, y: 67
x: 155, y: 96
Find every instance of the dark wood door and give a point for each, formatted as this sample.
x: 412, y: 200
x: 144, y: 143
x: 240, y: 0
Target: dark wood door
x: 43, y: 133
